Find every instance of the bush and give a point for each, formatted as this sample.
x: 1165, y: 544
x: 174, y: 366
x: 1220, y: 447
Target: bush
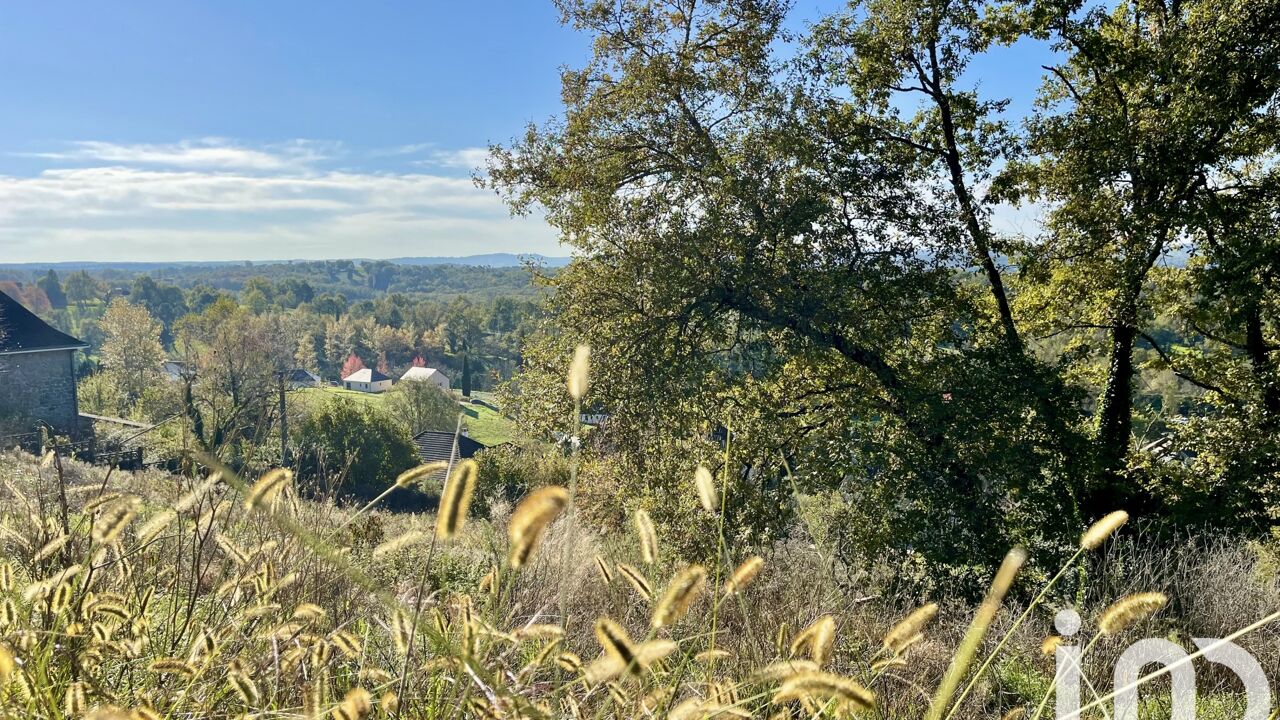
x: 361, y: 444
x: 507, y: 472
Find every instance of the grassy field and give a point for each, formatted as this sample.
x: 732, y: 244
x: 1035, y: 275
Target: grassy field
x: 483, y: 424
x: 322, y: 393
x: 487, y: 426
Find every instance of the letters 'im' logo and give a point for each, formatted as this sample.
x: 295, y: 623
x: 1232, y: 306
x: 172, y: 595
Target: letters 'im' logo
x: 1150, y: 651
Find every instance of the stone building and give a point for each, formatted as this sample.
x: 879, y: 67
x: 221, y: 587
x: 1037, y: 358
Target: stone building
x: 37, y: 373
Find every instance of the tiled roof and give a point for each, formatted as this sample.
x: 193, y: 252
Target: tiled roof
x: 437, y: 445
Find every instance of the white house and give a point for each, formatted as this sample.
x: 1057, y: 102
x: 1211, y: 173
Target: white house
x: 429, y: 374
x: 367, y: 380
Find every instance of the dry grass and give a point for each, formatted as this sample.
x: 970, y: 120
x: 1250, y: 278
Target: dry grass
x: 281, y: 608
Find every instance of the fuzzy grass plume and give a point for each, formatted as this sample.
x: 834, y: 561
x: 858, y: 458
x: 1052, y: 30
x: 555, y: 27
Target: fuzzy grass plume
x: 825, y: 687
x: 530, y: 520
x: 648, y: 537
x: 818, y: 638
x: 1130, y: 609
x: 743, y: 575
x: 270, y: 485
x: 1104, y: 528
x: 706, y: 486
x: 681, y: 592
x: 638, y: 581
x: 579, y: 372
x: 455, y: 501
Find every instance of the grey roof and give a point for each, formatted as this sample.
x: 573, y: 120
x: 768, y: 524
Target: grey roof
x: 22, y: 331
x: 437, y: 445
x: 366, y: 375
x: 302, y: 375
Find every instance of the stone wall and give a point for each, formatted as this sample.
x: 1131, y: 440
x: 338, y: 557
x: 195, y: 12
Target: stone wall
x: 39, y: 386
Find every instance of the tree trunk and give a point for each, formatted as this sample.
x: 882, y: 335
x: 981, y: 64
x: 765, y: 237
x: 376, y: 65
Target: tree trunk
x: 1255, y: 345
x: 1115, y: 423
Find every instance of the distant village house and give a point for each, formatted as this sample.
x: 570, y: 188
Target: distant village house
x: 37, y: 372
x: 367, y: 380
x: 427, y: 374
x: 301, y: 378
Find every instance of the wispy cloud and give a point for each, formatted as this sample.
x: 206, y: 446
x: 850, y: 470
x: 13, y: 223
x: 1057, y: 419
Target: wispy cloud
x: 467, y: 158
x: 203, y: 153
x: 210, y: 199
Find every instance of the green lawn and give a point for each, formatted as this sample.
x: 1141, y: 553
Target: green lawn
x: 323, y: 393
x: 486, y: 425
x: 483, y: 424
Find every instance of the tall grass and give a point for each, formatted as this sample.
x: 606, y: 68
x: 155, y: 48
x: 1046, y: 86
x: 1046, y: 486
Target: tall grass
x: 150, y: 596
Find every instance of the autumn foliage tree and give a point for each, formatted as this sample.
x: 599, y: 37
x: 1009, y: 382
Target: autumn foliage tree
x: 352, y: 365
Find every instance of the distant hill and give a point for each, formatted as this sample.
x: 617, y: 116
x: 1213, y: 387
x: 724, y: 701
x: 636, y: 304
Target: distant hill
x: 496, y: 260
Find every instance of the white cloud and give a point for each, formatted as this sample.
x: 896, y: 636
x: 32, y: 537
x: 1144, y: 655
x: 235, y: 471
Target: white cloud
x: 210, y: 200
x: 204, y: 153
x: 466, y: 158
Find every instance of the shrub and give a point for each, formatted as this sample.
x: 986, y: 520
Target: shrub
x: 368, y: 447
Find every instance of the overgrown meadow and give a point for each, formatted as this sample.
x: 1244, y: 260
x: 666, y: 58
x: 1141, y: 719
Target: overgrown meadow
x: 156, y: 596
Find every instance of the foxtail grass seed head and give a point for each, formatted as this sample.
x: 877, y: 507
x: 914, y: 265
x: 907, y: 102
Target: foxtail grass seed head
x: 973, y: 637
x: 637, y: 580
x: 602, y: 566
x: 706, y: 486
x: 743, y: 575
x: 530, y: 520
x: 826, y: 687
x: 414, y: 475
x: 1129, y: 610
x: 615, y: 640
x: 1015, y: 714
x: 197, y: 493
x: 712, y: 656
x: 456, y: 499
x: 681, y: 592
x: 244, y: 686
x: 1103, y: 529
x: 355, y: 705
x: 400, y: 542
x: 569, y: 662
x: 579, y: 372
x: 154, y: 526
x: 268, y: 487
x: 113, y: 520
x: 401, y: 631
x: 818, y: 638
x: 73, y: 701
x: 897, y: 638
x: 648, y: 537
x: 51, y: 547
x: 783, y: 669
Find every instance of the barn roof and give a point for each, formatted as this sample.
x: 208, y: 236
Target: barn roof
x: 436, y: 445
x: 22, y: 331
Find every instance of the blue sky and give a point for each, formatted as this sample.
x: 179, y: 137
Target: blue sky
x: 175, y: 130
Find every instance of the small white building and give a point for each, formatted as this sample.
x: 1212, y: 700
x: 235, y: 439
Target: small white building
x: 431, y: 375
x: 367, y: 380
